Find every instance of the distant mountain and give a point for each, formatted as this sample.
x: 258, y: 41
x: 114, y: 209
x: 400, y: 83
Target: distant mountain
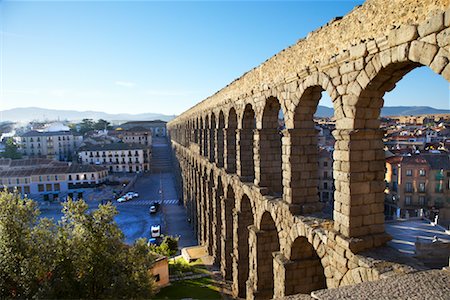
x: 27, y: 114
x: 35, y: 113
x: 323, y: 111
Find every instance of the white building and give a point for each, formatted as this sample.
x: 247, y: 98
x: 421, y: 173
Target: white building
x: 55, y: 142
x: 48, y: 177
x: 117, y: 157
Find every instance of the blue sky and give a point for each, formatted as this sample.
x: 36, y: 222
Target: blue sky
x: 151, y: 56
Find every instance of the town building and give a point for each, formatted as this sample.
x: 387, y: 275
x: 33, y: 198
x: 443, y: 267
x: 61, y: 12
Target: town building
x: 117, y: 157
x: 326, y: 183
x: 47, y: 177
x: 55, y: 142
x: 418, y: 185
x: 157, y: 127
x: 135, y: 135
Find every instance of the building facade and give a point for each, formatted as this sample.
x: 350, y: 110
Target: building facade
x: 117, y: 157
x: 135, y: 135
x: 48, y: 177
x: 157, y: 127
x: 58, y: 145
x: 418, y: 185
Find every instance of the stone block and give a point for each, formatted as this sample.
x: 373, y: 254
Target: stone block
x: 432, y: 25
x: 422, y: 52
x: 403, y: 34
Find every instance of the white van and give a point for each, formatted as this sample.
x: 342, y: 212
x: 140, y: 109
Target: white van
x: 155, y: 231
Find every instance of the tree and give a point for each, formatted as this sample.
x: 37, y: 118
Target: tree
x: 102, y: 124
x: 168, y: 247
x: 11, y: 150
x: 81, y: 256
x: 86, y: 125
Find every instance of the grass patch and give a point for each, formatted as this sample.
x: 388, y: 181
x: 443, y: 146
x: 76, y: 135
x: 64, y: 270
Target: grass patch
x: 180, y: 266
x: 201, y: 288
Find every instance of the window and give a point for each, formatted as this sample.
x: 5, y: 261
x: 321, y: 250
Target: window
x: 325, y: 164
x: 48, y: 187
x: 26, y: 180
x: 40, y: 178
x: 422, y: 187
x: 40, y: 187
x: 56, y: 187
x: 394, y: 171
x: 70, y: 177
x: 408, y: 172
x: 408, y: 187
x: 421, y: 172
x: 17, y: 181
x: 325, y: 185
x: 26, y: 189
x: 48, y: 177
x: 422, y: 200
x: 394, y: 186
x: 56, y: 177
x: 78, y: 177
x: 408, y: 200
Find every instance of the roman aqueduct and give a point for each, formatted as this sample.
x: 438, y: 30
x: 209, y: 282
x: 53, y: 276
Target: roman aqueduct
x: 251, y: 190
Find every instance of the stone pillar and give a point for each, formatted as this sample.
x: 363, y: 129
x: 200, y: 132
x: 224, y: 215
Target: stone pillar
x: 229, y: 152
x: 212, y: 144
x: 219, y: 142
x: 268, y: 168
x: 240, y: 256
x: 201, y: 140
x: 261, y: 277
x: 359, y: 170
x: 299, y: 164
x: 227, y: 238
x: 201, y: 210
x: 208, y: 217
x: 245, y: 155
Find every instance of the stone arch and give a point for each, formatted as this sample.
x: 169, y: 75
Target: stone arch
x: 267, y: 244
x: 220, y: 140
x: 230, y: 155
x: 241, y: 249
x: 201, y: 140
x: 227, y: 232
x: 218, y: 199
x: 360, y: 209
x: 270, y: 148
x: 304, y: 272
x: 212, y: 139
x: 246, y: 164
x: 301, y: 156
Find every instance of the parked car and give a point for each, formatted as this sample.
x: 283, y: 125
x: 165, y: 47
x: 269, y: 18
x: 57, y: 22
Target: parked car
x: 155, y: 231
x: 122, y: 199
x: 154, y: 206
x: 131, y: 195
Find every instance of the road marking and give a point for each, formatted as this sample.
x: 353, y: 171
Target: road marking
x: 148, y: 202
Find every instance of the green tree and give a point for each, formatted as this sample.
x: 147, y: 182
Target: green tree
x: 86, y: 125
x: 168, y: 247
x: 82, y: 256
x: 102, y: 124
x: 11, y: 150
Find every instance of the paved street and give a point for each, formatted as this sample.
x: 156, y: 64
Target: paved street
x: 134, y: 218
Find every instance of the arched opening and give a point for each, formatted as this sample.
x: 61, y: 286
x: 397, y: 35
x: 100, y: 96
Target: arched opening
x: 245, y: 219
x: 206, y: 137
x: 246, y: 151
x: 196, y: 132
x: 218, y: 219
x: 270, y: 168
x: 212, y: 139
x: 230, y: 162
x: 201, y: 133
x: 306, y: 144
x: 379, y: 184
x: 325, y: 125
x: 267, y: 243
x: 305, y: 272
x: 227, y: 265
x: 220, y: 141
x: 210, y: 214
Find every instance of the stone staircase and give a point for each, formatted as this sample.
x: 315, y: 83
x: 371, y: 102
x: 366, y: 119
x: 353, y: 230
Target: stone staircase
x: 161, y: 161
